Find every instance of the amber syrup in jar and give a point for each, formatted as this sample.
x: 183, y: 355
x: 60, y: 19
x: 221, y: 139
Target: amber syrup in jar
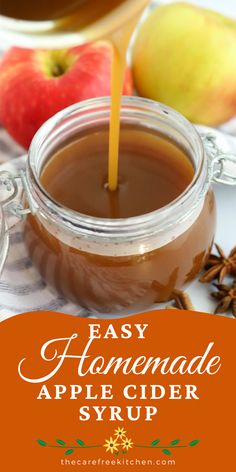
x: 153, y: 172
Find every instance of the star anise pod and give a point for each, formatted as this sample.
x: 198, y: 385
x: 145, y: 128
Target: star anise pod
x: 182, y: 301
x: 218, y: 266
x: 226, y: 294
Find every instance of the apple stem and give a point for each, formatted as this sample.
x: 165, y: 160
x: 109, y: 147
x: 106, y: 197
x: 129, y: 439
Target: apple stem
x: 57, y: 70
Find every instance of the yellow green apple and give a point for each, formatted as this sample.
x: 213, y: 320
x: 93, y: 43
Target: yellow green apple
x: 185, y: 57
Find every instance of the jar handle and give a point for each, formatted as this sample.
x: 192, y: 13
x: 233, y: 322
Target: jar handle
x: 222, y: 164
x: 4, y: 239
x: 8, y: 206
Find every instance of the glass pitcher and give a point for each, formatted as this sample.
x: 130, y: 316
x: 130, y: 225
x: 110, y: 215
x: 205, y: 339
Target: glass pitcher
x: 63, y: 23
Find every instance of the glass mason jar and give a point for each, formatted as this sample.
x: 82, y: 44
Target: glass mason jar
x: 63, y: 23
x: 112, y: 265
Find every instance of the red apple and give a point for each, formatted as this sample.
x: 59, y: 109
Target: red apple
x: 36, y: 84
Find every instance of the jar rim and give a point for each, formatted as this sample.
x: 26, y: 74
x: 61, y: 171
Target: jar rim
x: 133, y: 226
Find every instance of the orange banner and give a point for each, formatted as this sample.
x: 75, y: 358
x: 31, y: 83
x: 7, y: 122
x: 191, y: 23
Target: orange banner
x: 139, y: 393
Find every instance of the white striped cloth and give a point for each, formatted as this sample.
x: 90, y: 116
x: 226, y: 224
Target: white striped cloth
x: 21, y: 287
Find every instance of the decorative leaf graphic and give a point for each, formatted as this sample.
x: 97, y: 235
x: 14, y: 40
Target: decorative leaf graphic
x: 41, y: 442
x: 166, y: 452
x: 154, y: 443
x: 176, y: 441
x: 80, y: 442
x: 194, y: 443
x: 69, y: 451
